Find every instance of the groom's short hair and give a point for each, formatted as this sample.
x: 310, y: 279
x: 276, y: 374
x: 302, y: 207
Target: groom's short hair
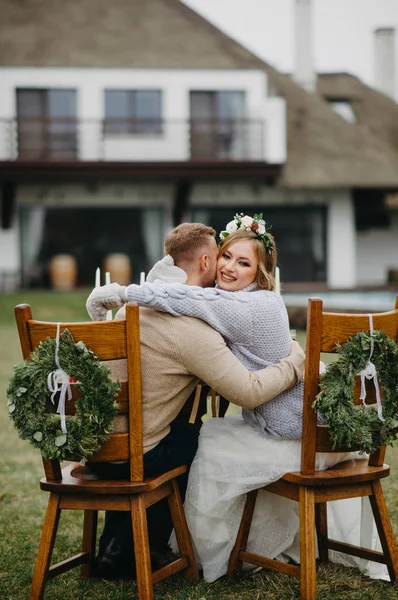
x: 184, y: 242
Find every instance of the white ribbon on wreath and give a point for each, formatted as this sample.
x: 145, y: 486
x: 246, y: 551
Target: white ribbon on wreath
x: 369, y: 372
x: 58, y: 381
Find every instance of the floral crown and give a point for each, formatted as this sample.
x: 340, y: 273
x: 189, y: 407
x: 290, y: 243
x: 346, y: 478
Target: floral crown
x: 255, y: 223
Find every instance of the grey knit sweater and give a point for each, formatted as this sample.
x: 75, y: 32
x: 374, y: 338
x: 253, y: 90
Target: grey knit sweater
x: 256, y: 328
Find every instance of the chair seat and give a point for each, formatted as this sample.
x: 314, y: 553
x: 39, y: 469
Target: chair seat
x: 76, y: 479
x: 345, y: 473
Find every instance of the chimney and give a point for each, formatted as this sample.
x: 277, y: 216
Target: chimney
x: 385, y: 61
x: 304, y: 73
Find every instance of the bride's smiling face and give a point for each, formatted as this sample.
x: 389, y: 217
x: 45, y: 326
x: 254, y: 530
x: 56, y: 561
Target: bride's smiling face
x: 237, y: 266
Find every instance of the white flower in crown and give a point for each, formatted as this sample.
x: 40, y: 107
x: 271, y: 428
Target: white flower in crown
x: 261, y: 227
x: 246, y: 222
x: 231, y: 226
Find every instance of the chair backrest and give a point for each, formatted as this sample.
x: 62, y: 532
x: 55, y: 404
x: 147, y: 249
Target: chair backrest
x: 324, y: 331
x: 109, y: 340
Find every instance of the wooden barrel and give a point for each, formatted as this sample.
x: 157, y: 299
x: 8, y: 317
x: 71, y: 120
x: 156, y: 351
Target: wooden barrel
x: 118, y: 265
x: 63, y: 272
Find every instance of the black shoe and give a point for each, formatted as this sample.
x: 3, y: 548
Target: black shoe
x: 116, y: 562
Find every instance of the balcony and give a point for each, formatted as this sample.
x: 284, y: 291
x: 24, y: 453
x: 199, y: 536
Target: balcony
x: 119, y: 147
x: 65, y: 139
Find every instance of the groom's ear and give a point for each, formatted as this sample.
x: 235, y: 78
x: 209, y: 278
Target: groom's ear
x: 204, y: 263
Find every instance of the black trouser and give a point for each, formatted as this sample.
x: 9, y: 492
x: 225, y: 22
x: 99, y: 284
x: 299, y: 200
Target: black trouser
x: 176, y: 449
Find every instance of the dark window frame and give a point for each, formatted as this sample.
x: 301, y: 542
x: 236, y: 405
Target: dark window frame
x: 133, y: 124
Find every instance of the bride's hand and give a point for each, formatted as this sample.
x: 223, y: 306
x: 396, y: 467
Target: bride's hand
x: 105, y: 298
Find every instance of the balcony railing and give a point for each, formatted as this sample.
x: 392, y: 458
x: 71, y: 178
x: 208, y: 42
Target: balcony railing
x: 69, y: 139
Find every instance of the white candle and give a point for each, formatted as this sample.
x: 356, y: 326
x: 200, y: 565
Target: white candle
x: 107, y: 282
x: 277, y: 281
x: 142, y: 278
x: 98, y: 277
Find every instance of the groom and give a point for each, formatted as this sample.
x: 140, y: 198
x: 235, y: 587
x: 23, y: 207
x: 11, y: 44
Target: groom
x: 176, y: 352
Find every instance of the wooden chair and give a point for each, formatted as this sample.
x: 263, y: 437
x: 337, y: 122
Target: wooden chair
x: 313, y: 489
x: 74, y: 488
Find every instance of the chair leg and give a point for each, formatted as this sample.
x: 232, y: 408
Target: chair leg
x: 307, y: 544
x: 182, y: 532
x: 235, y: 565
x: 385, y: 530
x: 46, y: 548
x: 141, y: 548
x: 89, y: 540
x: 321, y: 522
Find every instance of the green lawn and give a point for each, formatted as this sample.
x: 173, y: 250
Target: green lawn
x: 22, y: 507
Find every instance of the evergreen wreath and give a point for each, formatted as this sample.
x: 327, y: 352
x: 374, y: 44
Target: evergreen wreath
x: 33, y: 413
x: 359, y: 426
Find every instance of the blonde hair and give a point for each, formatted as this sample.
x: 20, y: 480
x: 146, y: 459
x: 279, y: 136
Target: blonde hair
x: 266, y: 260
x: 184, y: 242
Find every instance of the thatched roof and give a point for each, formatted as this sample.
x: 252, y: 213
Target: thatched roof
x: 323, y: 150
x: 375, y: 110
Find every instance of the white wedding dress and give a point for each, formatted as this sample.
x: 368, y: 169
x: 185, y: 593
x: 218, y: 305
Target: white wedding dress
x: 233, y: 459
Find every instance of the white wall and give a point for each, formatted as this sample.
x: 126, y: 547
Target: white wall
x: 10, y: 257
x: 377, y: 253
x: 341, y: 241
x: 9, y: 249
x: 96, y: 194
x: 173, y: 144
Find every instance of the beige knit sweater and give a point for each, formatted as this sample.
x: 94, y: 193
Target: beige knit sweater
x: 178, y: 351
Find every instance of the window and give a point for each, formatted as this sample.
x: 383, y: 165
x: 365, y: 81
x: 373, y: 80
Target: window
x: 218, y: 126
x: 133, y: 111
x: 47, y: 127
x: 344, y: 109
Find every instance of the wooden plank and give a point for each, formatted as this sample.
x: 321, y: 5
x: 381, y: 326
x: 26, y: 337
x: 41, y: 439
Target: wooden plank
x: 270, y: 563
x: 235, y: 559
x: 46, y: 547
x: 347, y: 473
x: 67, y: 564
x: 89, y: 541
x: 324, y: 442
x: 321, y: 523
x: 385, y: 530
x: 340, y: 493
x: 182, y: 533
x: 96, y: 336
x: 307, y: 544
x: 174, y: 567
x: 311, y: 376
x: 141, y: 548
x: 341, y: 329
x: 283, y: 488
x: 121, y: 398
x: 161, y: 492
x: 23, y: 314
x: 135, y: 393
x: 195, y: 404
x: 115, y: 448
x: 357, y: 551
x: 77, y: 502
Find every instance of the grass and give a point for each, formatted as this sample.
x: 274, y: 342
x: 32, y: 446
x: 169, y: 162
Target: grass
x: 22, y: 508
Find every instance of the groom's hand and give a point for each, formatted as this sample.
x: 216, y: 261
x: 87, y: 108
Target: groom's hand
x: 105, y: 298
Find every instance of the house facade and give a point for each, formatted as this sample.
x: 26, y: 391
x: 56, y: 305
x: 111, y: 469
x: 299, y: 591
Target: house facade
x: 117, y: 124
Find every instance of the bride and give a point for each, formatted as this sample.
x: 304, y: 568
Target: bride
x: 240, y: 453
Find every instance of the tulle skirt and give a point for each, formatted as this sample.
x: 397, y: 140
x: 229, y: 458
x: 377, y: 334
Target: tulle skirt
x: 233, y: 459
